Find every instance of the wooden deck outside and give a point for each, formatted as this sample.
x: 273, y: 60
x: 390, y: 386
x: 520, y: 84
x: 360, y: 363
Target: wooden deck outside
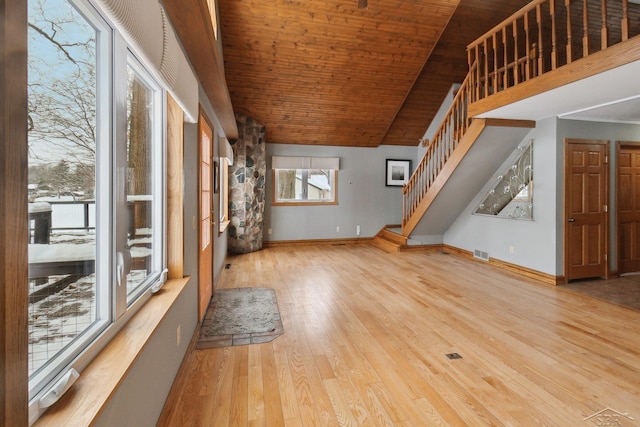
x: 366, y: 334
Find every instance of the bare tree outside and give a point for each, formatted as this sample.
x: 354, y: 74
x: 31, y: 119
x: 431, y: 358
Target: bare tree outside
x: 286, y: 184
x: 62, y: 91
x: 62, y: 99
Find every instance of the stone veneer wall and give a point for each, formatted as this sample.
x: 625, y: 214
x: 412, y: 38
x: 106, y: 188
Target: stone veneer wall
x: 247, y: 187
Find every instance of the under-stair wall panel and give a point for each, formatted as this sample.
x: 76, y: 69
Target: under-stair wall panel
x: 487, y: 153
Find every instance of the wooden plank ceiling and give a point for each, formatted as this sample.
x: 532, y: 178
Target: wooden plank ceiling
x: 326, y: 72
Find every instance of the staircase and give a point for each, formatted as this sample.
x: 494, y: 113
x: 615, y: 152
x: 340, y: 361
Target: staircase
x: 503, y: 62
x: 390, y: 239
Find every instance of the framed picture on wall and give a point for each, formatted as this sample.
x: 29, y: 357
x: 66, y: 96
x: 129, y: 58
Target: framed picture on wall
x: 397, y: 173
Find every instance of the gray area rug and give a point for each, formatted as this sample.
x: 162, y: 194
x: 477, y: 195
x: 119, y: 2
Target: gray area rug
x: 241, y: 316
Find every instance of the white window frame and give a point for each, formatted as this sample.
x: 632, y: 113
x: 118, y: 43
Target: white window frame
x: 159, y: 182
x: 112, y: 310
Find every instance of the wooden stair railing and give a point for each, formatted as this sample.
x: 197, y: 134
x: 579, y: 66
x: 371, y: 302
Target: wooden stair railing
x: 440, y: 148
x: 539, y: 38
x: 543, y: 36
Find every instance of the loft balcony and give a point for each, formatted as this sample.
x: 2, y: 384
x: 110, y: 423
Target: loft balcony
x: 554, y: 58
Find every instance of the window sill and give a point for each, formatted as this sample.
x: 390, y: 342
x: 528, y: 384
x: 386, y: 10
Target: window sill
x: 82, y: 404
x: 303, y: 203
x: 223, y: 226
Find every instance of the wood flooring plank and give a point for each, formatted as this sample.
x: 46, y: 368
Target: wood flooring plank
x: 239, y: 410
x: 290, y: 410
x: 366, y: 333
x: 255, y: 405
x: 273, y: 403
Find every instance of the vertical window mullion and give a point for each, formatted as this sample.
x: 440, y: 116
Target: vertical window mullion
x: 121, y: 254
x: 305, y: 184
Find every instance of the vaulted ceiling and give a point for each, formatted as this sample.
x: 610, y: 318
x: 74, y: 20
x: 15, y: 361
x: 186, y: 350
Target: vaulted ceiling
x: 329, y: 73
x: 326, y: 72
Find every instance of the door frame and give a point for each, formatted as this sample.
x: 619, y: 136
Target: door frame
x: 565, y: 214
x: 203, y: 120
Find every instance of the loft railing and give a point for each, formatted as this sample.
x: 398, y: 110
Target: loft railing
x: 440, y: 148
x: 543, y: 36
x: 539, y: 38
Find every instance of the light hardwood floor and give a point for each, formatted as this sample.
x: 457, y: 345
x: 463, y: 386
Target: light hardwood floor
x: 366, y: 334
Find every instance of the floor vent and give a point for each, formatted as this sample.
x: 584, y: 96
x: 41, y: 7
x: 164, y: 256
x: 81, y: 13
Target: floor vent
x: 227, y: 266
x: 453, y: 356
x: 481, y: 255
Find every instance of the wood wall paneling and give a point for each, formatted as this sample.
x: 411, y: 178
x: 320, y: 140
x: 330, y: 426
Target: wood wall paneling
x: 192, y: 21
x: 13, y: 214
x: 446, y: 65
x: 175, y: 190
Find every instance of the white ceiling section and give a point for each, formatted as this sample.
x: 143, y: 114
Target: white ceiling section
x: 612, y: 96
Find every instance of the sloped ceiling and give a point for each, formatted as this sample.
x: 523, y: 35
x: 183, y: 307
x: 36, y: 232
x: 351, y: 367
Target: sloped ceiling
x: 326, y: 72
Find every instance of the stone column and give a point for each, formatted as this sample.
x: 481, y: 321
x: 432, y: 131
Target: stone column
x: 247, y: 187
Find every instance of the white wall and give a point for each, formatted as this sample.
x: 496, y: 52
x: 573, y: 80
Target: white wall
x: 533, y: 242
x: 363, y: 198
x: 539, y: 244
x: 140, y: 398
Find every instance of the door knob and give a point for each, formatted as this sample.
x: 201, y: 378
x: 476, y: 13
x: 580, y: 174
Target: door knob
x: 571, y: 220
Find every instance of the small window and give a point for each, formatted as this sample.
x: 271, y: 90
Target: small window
x: 305, y: 186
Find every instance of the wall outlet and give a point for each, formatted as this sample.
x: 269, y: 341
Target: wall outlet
x: 512, y: 250
x: 357, y: 230
x: 178, y: 335
x: 338, y: 229
x: 269, y: 231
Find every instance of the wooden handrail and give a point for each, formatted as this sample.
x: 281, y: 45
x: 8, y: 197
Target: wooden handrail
x: 537, y: 39
x: 441, y: 146
x: 502, y: 57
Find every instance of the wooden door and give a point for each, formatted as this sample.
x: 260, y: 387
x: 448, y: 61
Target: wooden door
x: 586, y: 184
x: 628, y: 191
x: 205, y: 255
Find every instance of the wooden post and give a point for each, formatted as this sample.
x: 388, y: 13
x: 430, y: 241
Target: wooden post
x: 175, y: 191
x: 540, y: 69
x: 604, y: 31
x: 505, y: 60
x: 14, y: 236
x: 527, y: 40
x: 625, y: 20
x: 554, y: 53
x: 585, y: 28
x: 516, y: 57
x: 495, y: 63
x: 569, y: 47
x: 486, y: 70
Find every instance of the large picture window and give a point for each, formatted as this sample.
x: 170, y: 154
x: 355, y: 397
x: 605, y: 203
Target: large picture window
x: 96, y: 187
